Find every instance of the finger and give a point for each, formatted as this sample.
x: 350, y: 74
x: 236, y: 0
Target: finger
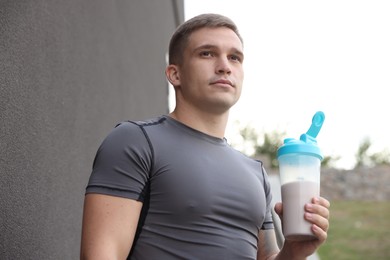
x: 318, y: 221
x: 319, y: 233
x: 317, y: 209
x: 278, y: 208
x: 321, y: 201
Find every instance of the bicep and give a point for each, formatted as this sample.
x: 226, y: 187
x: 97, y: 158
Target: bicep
x: 267, y: 245
x: 109, y: 226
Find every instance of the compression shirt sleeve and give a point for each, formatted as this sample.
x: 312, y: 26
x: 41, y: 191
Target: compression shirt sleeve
x: 122, y: 164
x: 268, y: 221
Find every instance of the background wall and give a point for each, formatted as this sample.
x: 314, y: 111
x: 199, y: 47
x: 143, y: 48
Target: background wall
x: 69, y: 71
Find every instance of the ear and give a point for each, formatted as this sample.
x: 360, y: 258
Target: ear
x: 172, y: 74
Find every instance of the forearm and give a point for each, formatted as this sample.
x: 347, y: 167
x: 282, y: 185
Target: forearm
x: 269, y: 250
x: 285, y: 254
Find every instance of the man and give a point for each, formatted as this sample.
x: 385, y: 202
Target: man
x: 171, y: 187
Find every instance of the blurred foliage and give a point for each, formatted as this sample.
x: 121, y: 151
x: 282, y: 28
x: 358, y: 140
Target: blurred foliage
x: 269, y: 147
x: 266, y: 146
x: 366, y: 159
x: 329, y: 161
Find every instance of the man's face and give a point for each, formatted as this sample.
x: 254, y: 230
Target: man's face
x: 211, y: 73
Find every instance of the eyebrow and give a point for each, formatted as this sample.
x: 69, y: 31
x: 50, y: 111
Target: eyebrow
x: 210, y: 46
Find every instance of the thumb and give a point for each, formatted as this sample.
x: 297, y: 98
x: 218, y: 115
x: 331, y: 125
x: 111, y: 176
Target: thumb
x: 279, y: 209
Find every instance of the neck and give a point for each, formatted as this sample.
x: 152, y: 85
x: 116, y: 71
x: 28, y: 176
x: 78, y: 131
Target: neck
x: 207, y: 123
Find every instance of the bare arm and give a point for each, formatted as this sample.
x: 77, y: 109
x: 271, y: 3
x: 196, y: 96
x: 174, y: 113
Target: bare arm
x: 267, y: 245
x: 109, y: 225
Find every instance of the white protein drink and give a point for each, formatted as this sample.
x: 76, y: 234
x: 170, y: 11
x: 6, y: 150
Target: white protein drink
x: 294, y: 196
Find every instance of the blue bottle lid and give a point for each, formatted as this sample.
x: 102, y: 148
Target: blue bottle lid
x: 307, y: 143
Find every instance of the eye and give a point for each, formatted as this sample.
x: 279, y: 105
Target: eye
x: 236, y: 58
x: 206, y: 54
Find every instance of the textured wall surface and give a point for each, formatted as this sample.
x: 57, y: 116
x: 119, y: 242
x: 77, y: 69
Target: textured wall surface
x: 69, y: 71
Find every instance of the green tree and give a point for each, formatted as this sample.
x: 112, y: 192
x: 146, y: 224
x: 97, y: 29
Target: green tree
x: 362, y: 158
x: 269, y: 147
x: 367, y: 159
x: 266, y: 147
x: 381, y: 158
x: 329, y: 161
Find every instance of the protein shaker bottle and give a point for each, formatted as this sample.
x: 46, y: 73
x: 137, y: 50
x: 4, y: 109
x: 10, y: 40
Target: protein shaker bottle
x: 299, y: 168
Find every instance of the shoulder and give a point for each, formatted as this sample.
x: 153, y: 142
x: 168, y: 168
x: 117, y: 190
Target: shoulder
x: 128, y: 135
x: 149, y: 122
x: 249, y: 159
x: 127, y: 139
x: 134, y: 128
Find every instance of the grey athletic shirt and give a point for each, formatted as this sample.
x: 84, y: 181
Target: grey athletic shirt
x: 202, y: 199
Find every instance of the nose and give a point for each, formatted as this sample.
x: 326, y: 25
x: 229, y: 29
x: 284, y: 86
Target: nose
x: 223, y: 66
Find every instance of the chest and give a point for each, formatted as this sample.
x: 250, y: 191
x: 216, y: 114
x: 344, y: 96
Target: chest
x: 199, y: 182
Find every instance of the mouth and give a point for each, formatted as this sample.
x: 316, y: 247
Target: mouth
x: 222, y: 82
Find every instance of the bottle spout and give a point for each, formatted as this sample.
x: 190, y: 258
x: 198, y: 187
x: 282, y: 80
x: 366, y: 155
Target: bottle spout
x: 316, y: 124
x: 307, y: 143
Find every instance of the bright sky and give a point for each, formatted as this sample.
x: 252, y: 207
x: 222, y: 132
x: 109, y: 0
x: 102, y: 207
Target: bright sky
x: 305, y: 56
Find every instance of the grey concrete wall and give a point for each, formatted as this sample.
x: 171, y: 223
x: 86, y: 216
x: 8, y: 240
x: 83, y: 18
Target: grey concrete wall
x: 69, y: 71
